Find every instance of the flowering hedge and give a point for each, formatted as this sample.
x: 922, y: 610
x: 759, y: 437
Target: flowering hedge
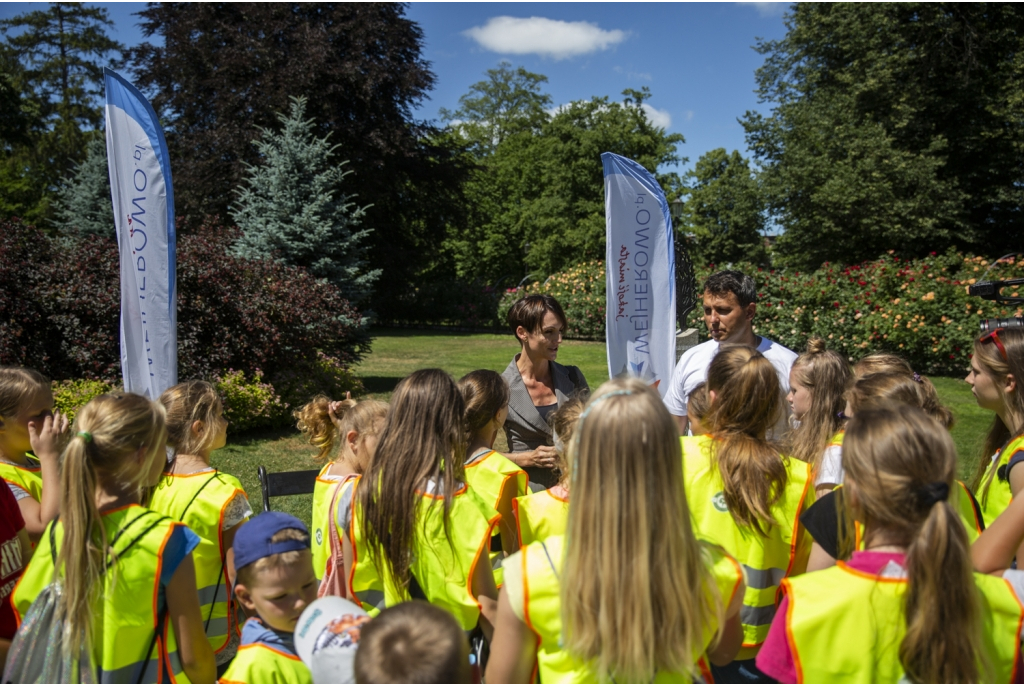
x: 918, y: 308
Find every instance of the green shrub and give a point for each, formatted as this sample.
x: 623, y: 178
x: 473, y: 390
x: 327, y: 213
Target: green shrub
x: 70, y: 396
x: 325, y: 375
x: 918, y: 308
x: 249, y: 403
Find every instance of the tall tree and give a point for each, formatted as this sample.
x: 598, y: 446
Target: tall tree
x: 224, y: 69
x: 60, y: 54
x: 510, y: 101
x: 292, y: 209
x: 83, y: 203
x: 723, y: 209
x: 895, y: 126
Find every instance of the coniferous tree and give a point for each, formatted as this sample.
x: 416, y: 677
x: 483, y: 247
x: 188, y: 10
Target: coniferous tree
x: 291, y: 207
x: 83, y: 202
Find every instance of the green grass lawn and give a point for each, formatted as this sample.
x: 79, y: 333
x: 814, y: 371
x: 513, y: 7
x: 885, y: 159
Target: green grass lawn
x: 397, y: 353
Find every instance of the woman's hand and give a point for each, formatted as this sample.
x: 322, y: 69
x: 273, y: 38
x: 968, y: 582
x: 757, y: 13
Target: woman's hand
x: 47, y: 438
x: 544, y: 457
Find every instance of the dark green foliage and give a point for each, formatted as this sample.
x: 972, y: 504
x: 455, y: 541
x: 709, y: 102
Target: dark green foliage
x: 52, y: 77
x: 896, y: 126
x: 83, y: 202
x: 723, y: 210
x: 537, y: 196
x: 292, y: 209
x: 224, y: 70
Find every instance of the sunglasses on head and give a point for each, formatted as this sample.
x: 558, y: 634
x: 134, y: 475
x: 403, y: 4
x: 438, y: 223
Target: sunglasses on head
x: 994, y: 337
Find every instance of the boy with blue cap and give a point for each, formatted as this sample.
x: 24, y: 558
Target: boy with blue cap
x: 275, y: 581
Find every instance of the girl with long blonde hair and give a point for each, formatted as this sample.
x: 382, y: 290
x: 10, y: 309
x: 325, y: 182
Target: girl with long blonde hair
x: 817, y: 381
x: 908, y: 607
x: 128, y: 596
x: 628, y: 594
x: 411, y: 527
x: 745, y: 494
x: 345, y: 433
x: 997, y: 370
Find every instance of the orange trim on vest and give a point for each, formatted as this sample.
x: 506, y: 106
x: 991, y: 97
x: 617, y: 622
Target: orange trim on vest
x: 1020, y: 626
x: 797, y: 527
x: 483, y: 550
x: 515, y: 515
x: 260, y: 645
x: 790, y: 640
x: 870, y: 576
x: 974, y: 510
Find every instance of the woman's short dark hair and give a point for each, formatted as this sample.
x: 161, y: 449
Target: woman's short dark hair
x: 529, y: 313
x: 738, y: 283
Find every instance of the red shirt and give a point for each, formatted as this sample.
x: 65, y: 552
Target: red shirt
x: 11, y: 562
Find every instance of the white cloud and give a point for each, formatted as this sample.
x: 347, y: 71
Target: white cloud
x: 659, y: 117
x: 639, y: 75
x: 689, y: 115
x: 542, y: 36
x: 768, y: 9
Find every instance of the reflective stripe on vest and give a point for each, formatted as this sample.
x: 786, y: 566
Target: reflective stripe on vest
x: 766, y: 560
x: 126, y: 615
x: 540, y: 515
x: 542, y: 563
x: 995, y: 495
x: 488, y: 476
x: 260, y: 663
x: 199, y: 501
x: 443, y: 571
x: 28, y: 478
x: 846, y: 626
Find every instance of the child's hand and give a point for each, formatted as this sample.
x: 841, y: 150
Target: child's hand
x: 47, y: 438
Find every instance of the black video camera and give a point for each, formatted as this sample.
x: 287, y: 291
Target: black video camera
x: 990, y: 290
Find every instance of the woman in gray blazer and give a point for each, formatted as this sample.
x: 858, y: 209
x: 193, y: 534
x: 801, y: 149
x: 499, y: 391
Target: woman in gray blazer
x: 538, y: 385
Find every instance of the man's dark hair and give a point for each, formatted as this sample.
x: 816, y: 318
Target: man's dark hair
x: 736, y: 282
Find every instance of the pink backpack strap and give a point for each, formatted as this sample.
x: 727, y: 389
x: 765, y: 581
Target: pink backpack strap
x: 333, y: 582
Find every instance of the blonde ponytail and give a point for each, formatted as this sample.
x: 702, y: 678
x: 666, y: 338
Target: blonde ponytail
x: 748, y: 402
x: 901, y: 464
x: 314, y: 421
x: 108, y: 432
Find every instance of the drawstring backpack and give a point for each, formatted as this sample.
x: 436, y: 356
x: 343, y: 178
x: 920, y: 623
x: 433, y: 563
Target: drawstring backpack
x: 333, y: 582
x: 38, y: 654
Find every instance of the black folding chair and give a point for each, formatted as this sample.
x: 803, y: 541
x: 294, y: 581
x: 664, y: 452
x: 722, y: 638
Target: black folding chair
x: 284, y: 483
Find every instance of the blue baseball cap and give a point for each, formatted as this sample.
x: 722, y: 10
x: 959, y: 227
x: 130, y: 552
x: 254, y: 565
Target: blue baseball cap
x: 252, y: 541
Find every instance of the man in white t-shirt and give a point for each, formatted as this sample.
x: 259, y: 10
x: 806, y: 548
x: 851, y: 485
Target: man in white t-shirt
x: 730, y: 302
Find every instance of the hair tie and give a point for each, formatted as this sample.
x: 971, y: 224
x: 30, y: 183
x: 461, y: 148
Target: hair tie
x: 930, y: 493
x: 84, y: 435
x: 917, y: 378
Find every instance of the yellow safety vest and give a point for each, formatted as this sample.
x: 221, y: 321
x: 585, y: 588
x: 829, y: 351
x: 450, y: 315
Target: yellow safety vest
x: 28, y: 478
x: 995, y: 494
x: 323, y: 491
x: 766, y: 560
x: 443, y: 570
x: 488, y: 476
x: 542, y: 564
x: 837, y: 439
x: 846, y: 626
x: 540, y: 515
x: 259, y: 663
x: 126, y: 617
x: 199, y: 500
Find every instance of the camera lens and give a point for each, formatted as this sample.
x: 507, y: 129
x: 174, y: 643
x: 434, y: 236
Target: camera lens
x: 992, y: 324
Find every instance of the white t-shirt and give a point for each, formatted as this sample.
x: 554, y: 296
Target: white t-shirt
x: 831, y: 470
x: 692, y: 370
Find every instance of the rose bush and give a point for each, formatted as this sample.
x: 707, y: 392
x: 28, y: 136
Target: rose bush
x: 919, y: 309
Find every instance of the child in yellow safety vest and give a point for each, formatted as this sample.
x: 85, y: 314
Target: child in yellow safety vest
x: 908, y: 607
x: 25, y: 402
x: 745, y: 495
x: 353, y: 427
x: 817, y: 381
x: 210, y: 502
x: 629, y: 593
x: 410, y: 526
x: 491, y: 474
x: 997, y: 371
x: 127, y: 574
x: 275, y: 582
x: 544, y: 513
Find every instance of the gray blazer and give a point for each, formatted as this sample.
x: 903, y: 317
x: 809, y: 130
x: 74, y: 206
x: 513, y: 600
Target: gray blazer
x: 524, y: 428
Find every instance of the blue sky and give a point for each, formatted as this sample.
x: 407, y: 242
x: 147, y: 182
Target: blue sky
x: 697, y: 58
